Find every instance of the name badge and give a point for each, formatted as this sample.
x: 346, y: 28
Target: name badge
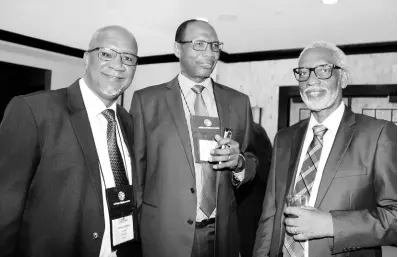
x: 204, y: 129
x: 122, y: 214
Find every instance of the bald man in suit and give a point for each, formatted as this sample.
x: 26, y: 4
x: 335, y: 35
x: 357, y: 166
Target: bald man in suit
x: 56, y: 164
x: 174, y: 221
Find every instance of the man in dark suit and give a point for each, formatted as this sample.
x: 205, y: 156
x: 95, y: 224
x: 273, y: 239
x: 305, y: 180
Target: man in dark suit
x: 176, y: 218
x: 345, y: 164
x: 62, y: 153
x: 250, y: 196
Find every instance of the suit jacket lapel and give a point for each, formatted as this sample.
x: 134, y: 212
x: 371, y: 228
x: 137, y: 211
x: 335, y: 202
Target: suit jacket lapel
x: 295, y: 151
x: 222, y: 106
x: 126, y: 128
x: 174, y: 101
x: 340, y: 145
x: 82, y: 128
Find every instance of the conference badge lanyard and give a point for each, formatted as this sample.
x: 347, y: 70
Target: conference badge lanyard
x: 123, y: 215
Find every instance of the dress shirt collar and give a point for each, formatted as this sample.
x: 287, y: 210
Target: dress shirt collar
x: 332, y: 122
x: 186, y: 84
x: 94, y: 105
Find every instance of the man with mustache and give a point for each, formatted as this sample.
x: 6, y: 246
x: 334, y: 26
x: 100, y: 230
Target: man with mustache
x: 189, y: 207
x: 67, y: 184
x: 344, y: 163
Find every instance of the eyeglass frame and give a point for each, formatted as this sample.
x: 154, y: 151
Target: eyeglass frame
x: 121, y: 54
x: 204, y: 41
x: 333, y: 66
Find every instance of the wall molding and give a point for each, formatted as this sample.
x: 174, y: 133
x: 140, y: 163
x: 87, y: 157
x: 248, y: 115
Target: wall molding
x: 351, y: 49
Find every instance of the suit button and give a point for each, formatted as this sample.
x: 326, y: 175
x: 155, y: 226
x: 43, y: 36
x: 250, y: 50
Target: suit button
x: 192, y: 190
x: 95, y: 235
x: 190, y: 222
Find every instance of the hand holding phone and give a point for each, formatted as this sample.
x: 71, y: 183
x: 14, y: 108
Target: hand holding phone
x: 227, y: 134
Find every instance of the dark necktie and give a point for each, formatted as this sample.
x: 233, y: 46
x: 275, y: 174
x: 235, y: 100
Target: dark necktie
x: 118, y: 169
x: 207, y: 200
x: 304, y: 184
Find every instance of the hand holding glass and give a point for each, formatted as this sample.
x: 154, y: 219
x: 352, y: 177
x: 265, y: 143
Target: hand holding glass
x: 297, y: 200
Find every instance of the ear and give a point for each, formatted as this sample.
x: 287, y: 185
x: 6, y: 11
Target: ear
x: 177, y: 49
x: 85, y: 58
x: 343, y: 79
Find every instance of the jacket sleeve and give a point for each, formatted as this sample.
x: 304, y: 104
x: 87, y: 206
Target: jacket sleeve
x: 248, y: 147
x: 19, y: 157
x: 378, y: 226
x: 139, y: 147
x: 262, y: 245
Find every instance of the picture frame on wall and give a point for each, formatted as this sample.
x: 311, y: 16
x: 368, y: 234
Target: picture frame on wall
x: 257, y: 114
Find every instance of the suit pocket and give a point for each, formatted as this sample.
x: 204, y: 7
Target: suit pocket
x: 351, y: 172
x: 149, y: 204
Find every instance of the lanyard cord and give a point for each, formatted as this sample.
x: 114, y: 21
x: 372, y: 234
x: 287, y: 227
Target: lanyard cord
x: 185, y: 100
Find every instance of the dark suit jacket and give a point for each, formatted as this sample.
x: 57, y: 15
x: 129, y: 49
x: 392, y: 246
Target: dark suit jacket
x: 166, y: 169
x: 250, y: 196
x: 50, y: 188
x: 358, y: 187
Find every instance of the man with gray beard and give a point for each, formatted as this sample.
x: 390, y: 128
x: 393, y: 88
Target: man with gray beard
x: 343, y: 163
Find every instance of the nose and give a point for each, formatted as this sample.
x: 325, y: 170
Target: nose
x: 210, y: 53
x: 117, y: 63
x: 313, y: 79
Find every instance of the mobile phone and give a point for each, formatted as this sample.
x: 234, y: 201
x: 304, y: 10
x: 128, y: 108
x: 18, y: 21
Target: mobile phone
x: 227, y: 134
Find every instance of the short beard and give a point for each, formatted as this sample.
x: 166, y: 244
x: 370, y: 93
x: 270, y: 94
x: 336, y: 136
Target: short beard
x: 320, y: 104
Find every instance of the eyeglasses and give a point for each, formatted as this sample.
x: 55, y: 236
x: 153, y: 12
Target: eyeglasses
x: 108, y: 54
x: 201, y: 45
x: 323, y: 71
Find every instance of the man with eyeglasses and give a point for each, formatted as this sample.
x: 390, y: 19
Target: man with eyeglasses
x: 344, y: 164
x: 189, y: 172
x: 67, y: 184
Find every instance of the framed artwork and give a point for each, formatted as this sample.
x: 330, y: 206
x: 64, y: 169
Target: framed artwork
x: 257, y: 114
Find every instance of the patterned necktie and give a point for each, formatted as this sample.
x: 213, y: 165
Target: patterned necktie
x: 207, y: 199
x: 119, y: 172
x: 304, y: 184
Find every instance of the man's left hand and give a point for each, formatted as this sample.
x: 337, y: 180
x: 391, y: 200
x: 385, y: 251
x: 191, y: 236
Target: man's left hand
x: 307, y: 223
x: 229, y: 156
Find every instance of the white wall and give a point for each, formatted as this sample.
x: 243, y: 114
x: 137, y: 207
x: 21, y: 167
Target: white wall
x: 65, y: 69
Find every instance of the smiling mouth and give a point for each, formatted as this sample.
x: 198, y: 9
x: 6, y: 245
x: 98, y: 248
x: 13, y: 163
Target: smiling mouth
x: 206, y: 65
x: 315, y: 93
x: 112, y: 77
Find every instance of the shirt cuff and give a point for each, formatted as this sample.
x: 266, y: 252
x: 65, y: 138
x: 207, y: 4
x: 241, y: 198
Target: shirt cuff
x: 240, y: 175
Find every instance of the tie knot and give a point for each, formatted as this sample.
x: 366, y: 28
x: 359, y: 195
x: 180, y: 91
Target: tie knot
x: 198, y: 89
x: 109, y: 115
x: 319, y: 130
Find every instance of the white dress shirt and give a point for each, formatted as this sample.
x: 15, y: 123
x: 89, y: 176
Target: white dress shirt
x: 332, y: 124
x: 98, y: 123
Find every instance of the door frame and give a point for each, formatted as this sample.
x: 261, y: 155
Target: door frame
x: 286, y: 93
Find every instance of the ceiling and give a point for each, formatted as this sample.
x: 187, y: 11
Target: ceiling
x: 243, y: 26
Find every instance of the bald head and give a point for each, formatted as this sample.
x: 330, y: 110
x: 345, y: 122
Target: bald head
x: 115, y: 32
x: 110, y: 62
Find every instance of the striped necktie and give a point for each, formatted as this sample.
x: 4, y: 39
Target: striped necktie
x: 304, y: 184
x: 207, y: 199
